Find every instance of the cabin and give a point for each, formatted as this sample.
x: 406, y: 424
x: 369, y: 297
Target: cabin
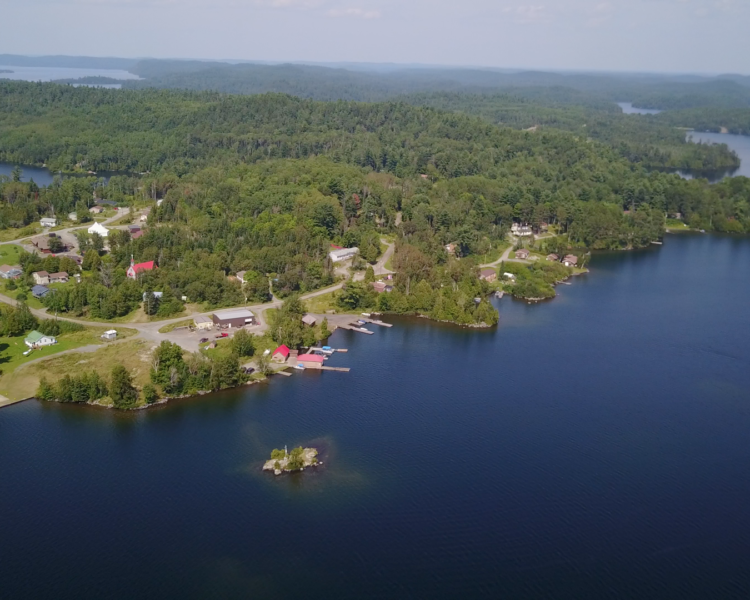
x: 238, y: 317
x: 310, y: 361
x: 8, y: 272
x: 570, y: 260
x: 36, y: 339
x: 309, y: 320
x: 553, y: 257
x: 280, y: 354
x: 48, y: 222
x: 203, y: 323
x: 39, y: 291
x: 381, y: 286
x: 99, y: 229
x: 41, y: 277
x: 42, y: 242
x: 61, y: 277
x: 136, y: 268
x: 343, y: 254
x: 96, y: 210
x: 522, y: 254
x: 450, y: 248
x: 109, y: 335
x: 488, y: 275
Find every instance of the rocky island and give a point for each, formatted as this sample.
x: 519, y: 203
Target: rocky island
x: 296, y: 460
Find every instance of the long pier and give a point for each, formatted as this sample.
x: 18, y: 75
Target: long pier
x: 341, y: 369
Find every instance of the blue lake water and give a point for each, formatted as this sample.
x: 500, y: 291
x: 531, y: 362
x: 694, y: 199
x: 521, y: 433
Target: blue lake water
x: 591, y: 447
x: 53, y: 73
x: 629, y: 109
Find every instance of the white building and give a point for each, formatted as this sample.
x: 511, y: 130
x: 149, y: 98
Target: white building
x: 100, y: 229
x: 343, y: 254
x: 521, y: 230
x: 109, y: 335
x: 48, y: 222
x: 203, y: 323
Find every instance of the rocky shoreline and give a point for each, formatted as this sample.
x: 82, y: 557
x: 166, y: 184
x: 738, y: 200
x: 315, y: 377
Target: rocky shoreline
x: 287, y: 462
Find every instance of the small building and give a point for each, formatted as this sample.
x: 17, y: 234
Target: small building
x: 109, y: 335
x: 309, y: 320
x: 522, y: 254
x: 134, y: 235
x: 203, y: 323
x: 39, y: 291
x: 136, y: 268
x: 36, y: 339
x: 570, y: 260
x: 450, y: 248
x: 96, y: 210
x: 343, y: 254
x: 72, y: 216
x: 144, y: 215
x: 133, y: 227
x: 509, y: 276
x: 238, y: 317
x: 41, y: 277
x: 241, y: 276
x: 48, y: 222
x: 553, y: 257
x: 100, y: 229
x: 280, y: 354
x: 310, y: 361
x: 61, y: 277
x: 8, y: 272
x: 488, y: 275
x: 42, y: 243
x: 381, y: 286
x: 521, y: 230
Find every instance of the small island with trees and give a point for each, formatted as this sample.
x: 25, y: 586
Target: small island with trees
x: 283, y: 461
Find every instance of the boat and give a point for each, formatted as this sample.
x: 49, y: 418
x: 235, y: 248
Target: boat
x: 299, y: 367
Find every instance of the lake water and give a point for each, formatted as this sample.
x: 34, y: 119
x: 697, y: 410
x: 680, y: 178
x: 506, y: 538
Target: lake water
x: 629, y: 109
x: 43, y: 177
x: 739, y: 143
x: 52, y: 73
x: 591, y: 447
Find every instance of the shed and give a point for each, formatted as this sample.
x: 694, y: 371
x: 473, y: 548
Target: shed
x: 36, y: 339
x: 96, y: 210
x: 72, y: 216
x: 522, y: 254
x: 310, y: 361
x: 61, y: 277
x: 553, y: 257
x: 203, y: 322
x: 48, y: 222
x: 309, y: 320
x: 136, y: 234
x: 238, y: 317
x: 241, y: 276
x: 109, y: 335
x: 280, y: 354
x: 40, y: 291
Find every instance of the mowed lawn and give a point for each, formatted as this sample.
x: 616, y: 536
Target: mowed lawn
x: 12, y: 358
x: 9, y: 254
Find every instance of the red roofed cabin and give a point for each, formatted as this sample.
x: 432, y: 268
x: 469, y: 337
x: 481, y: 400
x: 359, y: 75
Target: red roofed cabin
x: 280, y: 354
x: 310, y: 361
x: 134, y: 268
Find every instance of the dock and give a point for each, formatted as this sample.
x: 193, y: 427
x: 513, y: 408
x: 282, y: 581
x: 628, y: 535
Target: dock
x: 284, y: 373
x: 341, y: 369
x: 359, y: 329
x: 377, y: 322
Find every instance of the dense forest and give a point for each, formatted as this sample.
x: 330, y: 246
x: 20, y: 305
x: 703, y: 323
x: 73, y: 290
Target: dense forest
x: 265, y: 184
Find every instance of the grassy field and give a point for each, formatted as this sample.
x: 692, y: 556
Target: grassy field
x: 6, y: 235
x: 11, y: 357
x: 493, y: 254
x: 30, y: 300
x: 9, y: 254
x: 676, y: 225
x: 134, y: 355
x: 323, y: 303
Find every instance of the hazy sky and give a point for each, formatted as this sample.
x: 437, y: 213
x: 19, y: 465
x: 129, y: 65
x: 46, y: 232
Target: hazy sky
x: 644, y: 35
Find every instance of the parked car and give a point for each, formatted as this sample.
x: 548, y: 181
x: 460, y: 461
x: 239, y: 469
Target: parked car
x: 29, y: 351
x: 223, y: 334
x: 202, y: 340
x: 248, y: 370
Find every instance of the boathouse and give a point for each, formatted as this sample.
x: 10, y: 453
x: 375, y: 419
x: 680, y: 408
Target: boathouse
x: 280, y: 354
x: 310, y: 361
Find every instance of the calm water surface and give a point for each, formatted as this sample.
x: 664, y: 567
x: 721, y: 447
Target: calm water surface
x: 53, y: 73
x: 593, y: 447
x: 629, y: 109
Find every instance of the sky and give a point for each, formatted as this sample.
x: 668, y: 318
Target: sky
x: 687, y: 36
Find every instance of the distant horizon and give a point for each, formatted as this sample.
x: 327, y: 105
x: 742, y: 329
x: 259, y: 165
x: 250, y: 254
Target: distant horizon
x: 386, y: 64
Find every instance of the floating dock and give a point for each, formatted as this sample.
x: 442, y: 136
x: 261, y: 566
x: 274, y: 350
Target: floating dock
x: 355, y: 328
x: 377, y: 322
x: 341, y: 369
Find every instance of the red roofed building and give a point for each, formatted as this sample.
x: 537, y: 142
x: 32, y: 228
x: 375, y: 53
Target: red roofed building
x: 310, y: 361
x: 280, y: 354
x: 134, y: 268
x: 335, y: 247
